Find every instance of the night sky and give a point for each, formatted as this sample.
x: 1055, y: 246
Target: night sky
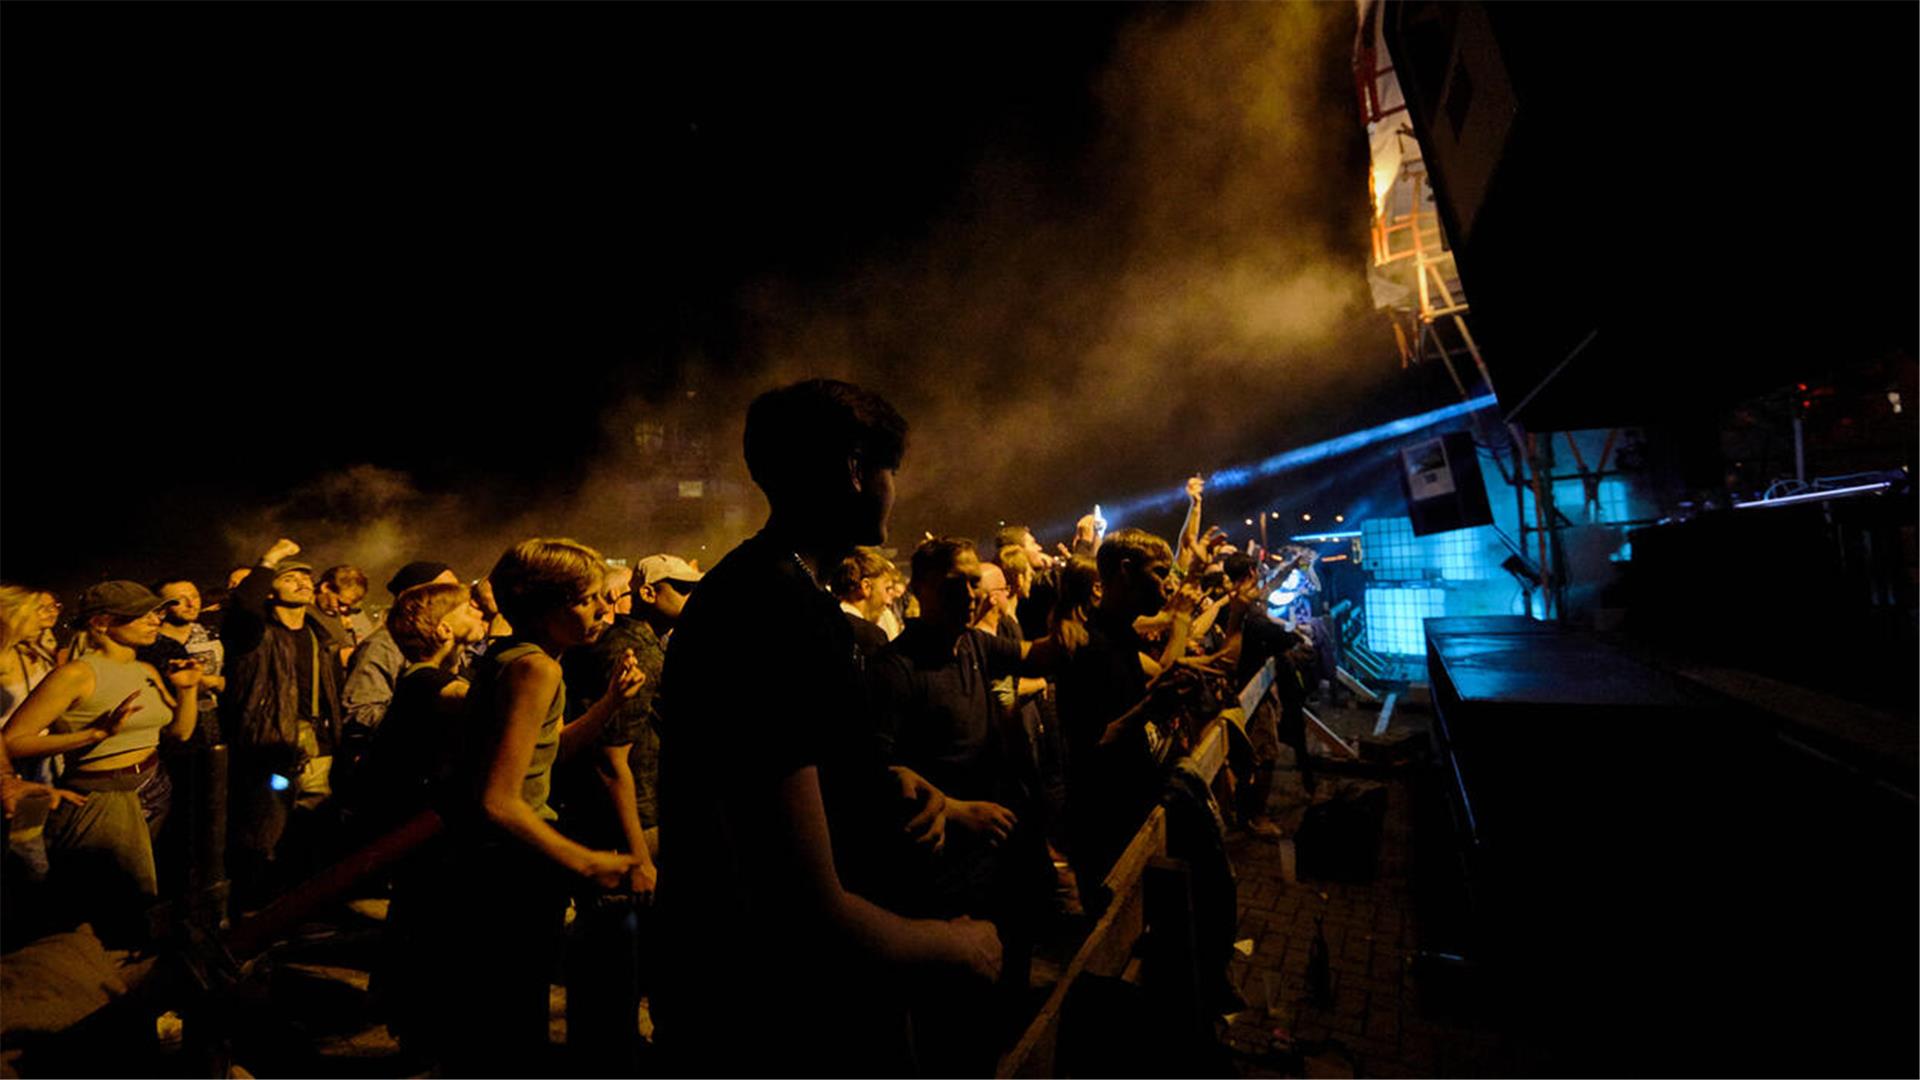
x: 248, y: 247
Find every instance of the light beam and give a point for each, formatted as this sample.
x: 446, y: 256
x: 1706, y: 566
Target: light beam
x: 1242, y: 475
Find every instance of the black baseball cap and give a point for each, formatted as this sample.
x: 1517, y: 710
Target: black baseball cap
x: 416, y: 573
x: 120, y: 599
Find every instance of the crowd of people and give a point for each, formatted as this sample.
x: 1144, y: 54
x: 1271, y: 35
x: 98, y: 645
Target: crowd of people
x: 839, y: 788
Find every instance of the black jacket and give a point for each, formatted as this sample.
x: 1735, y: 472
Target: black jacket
x: 261, y: 709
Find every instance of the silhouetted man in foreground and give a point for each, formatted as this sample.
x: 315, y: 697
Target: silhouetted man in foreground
x: 777, y: 796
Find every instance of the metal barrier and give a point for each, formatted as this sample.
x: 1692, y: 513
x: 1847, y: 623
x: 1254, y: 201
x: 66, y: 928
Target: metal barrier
x: 1138, y: 882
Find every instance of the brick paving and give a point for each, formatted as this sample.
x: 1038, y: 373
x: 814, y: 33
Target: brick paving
x: 1377, y: 1022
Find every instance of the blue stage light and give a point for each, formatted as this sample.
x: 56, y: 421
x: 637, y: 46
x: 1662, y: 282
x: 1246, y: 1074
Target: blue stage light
x: 1241, y: 475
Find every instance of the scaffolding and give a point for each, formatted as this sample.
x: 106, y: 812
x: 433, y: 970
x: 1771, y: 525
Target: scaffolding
x: 1413, y: 275
x: 1416, y: 282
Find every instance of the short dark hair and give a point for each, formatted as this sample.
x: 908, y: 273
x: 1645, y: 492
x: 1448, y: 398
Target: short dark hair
x: 343, y: 577
x: 1129, y: 547
x: 936, y: 556
x: 162, y: 582
x: 797, y: 435
x: 1007, y: 536
x: 1238, y: 567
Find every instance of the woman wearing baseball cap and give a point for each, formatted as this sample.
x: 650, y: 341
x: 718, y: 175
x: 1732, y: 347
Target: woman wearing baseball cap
x: 106, y: 712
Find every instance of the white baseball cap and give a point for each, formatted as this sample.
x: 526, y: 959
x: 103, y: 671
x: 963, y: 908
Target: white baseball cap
x: 654, y: 569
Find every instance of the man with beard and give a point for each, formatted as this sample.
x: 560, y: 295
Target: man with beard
x: 281, y: 714
x: 779, y: 810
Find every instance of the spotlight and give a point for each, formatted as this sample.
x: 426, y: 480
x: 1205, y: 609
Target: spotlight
x: 1339, y: 518
x: 1306, y: 517
x: 1249, y: 521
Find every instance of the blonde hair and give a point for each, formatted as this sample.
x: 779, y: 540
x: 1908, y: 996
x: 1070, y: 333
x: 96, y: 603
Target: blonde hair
x: 19, y: 610
x: 616, y: 574
x: 417, y: 613
x: 865, y: 562
x: 539, y: 576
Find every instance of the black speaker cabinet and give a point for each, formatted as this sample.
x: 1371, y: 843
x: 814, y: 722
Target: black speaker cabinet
x: 1441, y: 477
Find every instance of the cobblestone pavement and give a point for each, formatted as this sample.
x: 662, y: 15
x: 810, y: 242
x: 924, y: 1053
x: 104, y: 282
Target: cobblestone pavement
x: 1376, y: 1021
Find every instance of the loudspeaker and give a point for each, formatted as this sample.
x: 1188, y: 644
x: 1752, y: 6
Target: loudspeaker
x: 1441, y: 477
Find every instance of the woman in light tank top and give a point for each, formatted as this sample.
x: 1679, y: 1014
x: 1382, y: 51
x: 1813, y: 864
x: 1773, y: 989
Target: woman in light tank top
x: 502, y: 929
x: 106, y: 712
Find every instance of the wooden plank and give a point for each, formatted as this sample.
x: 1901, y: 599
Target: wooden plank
x: 1211, y: 752
x: 1257, y: 688
x: 1320, y: 727
x: 1151, y: 840
x: 1386, y: 715
x: 1347, y: 680
x: 1106, y: 951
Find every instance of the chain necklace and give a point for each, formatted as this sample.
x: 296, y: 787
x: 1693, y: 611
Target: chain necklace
x: 805, y: 569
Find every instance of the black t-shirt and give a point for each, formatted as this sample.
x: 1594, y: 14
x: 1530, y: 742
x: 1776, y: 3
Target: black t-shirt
x: 1103, y: 680
x: 412, y: 753
x: 308, y: 645
x: 762, y: 679
x: 1260, y: 639
x: 934, y: 702
x: 867, y: 635
x: 162, y: 650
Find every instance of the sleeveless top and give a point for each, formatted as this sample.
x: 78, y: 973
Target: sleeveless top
x: 113, y: 680
x: 537, y: 784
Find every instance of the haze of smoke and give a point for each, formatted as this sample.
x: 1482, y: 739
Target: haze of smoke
x: 1193, y: 288
x: 1052, y: 338
x: 379, y: 520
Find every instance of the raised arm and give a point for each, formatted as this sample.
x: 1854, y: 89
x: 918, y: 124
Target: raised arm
x: 245, y: 618
x: 1181, y: 608
x: 1190, y: 532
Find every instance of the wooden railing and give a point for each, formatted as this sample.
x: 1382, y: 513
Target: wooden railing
x: 1110, y: 949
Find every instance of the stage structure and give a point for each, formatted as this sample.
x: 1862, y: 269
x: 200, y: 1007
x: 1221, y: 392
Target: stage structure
x: 1415, y: 280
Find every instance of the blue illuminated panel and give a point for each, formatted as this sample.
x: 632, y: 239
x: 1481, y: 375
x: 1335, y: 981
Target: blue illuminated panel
x: 1390, y: 552
x: 1395, y: 619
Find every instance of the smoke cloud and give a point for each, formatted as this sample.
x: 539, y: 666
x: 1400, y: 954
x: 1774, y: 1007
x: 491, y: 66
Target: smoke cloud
x: 1193, y: 285
x: 1202, y: 277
